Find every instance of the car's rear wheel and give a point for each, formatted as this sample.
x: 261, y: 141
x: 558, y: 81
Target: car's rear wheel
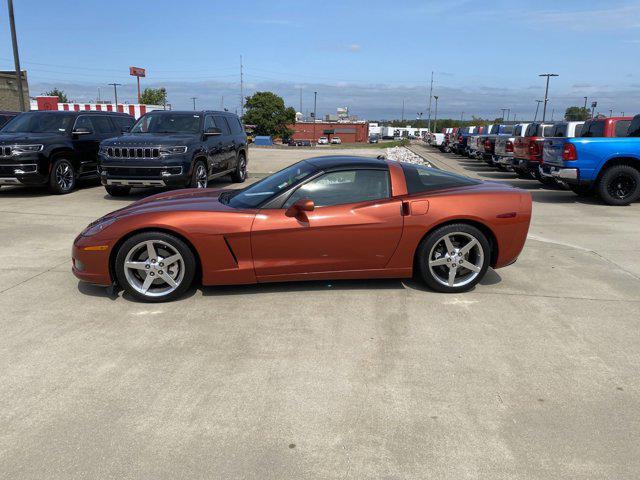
x: 200, y: 176
x: 619, y: 185
x: 117, y: 190
x: 155, y: 267
x: 62, y: 178
x: 240, y: 173
x: 454, y: 258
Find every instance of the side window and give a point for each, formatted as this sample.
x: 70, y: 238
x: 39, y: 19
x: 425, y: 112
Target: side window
x: 578, y: 131
x: 424, y: 179
x: 622, y: 127
x: 236, y: 126
x: 208, y: 122
x: 84, y: 121
x: 338, y: 188
x: 634, y: 127
x: 122, y: 123
x: 222, y: 124
x: 102, y: 124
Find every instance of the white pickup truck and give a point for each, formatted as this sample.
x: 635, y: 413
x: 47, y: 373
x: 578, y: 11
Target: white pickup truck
x: 474, y: 148
x: 504, y: 146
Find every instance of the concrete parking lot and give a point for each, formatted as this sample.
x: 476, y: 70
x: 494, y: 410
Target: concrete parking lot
x: 534, y: 374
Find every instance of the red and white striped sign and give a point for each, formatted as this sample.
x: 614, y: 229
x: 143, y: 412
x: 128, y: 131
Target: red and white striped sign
x: 51, y: 103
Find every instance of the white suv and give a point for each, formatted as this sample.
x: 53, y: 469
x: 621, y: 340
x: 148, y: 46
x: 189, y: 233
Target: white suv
x: 336, y: 140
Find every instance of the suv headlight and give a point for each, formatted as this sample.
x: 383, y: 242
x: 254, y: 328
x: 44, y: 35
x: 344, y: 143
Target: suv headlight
x: 164, y: 151
x: 97, y: 226
x: 18, y: 149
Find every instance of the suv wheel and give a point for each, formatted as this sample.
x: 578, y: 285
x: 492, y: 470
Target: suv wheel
x: 200, y: 176
x: 62, y: 178
x: 454, y: 258
x: 155, y: 267
x: 117, y: 190
x: 240, y: 173
x: 619, y: 185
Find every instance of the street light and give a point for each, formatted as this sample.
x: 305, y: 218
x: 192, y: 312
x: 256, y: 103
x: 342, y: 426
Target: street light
x: 435, y: 117
x: 537, y: 107
x: 503, y: 110
x: 16, y: 56
x: 546, y: 93
x: 115, y: 92
x: 585, y: 103
x: 461, y: 117
x: 194, y: 102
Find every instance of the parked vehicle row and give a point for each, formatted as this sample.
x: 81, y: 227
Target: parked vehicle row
x: 161, y: 149
x: 598, y: 156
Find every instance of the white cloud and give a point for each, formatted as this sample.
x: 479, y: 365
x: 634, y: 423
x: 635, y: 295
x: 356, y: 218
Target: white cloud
x: 354, y: 47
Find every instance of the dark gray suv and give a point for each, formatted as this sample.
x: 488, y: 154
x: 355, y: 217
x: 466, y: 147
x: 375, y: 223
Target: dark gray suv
x: 174, y: 149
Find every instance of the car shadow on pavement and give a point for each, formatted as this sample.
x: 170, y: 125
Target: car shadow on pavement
x: 29, y: 191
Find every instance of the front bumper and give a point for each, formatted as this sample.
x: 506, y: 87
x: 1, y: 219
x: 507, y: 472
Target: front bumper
x: 22, y: 172
x: 145, y: 173
x: 90, y: 260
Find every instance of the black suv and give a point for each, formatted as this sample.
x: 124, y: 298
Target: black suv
x: 56, y: 148
x: 6, y: 116
x: 175, y: 149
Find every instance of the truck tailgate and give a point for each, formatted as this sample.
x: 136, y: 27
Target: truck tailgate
x: 552, y: 151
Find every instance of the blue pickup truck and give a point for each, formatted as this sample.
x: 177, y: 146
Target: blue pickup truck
x: 609, y: 167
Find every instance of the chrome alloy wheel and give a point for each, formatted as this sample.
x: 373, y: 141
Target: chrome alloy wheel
x: 456, y: 259
x: 154, y: 268
x: 243, y: 167
x: 201, y: 176
x: 64, y: 176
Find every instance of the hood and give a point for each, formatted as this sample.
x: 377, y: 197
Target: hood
x: 192, y: 199
x: 149, y: 139
x: 26, y: 137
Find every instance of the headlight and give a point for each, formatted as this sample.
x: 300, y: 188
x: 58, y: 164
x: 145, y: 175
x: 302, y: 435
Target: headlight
x: 103, y: 150
x: 96, y: 227
x: 18, y: 149
x: 164, y: 151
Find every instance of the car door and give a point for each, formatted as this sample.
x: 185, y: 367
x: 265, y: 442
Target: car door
x: 86, y: 144
x: 214, y: 147
x: 356, y: 225
x: 227, y: 146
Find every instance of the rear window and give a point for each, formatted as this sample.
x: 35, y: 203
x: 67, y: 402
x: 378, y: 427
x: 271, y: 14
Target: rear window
x: 494, y: 130
x: 634, y: 127
x: 558, y: 130
x: 622, y: 128
x: 424, y: 179
x: 532, y: 130
x: 517, y: 132
x: 578, y: 129
x: 593, y: 128
x: 507, y: 129
x: 546, y: 130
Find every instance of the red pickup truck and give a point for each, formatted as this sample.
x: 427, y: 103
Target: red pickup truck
x: 606, y: 127
x: 527, y: 151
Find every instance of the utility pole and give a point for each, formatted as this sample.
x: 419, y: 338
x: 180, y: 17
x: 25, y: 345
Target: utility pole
x: 593, y: 108
x: 553, y: 110
x: 16, y: 56
x: 585, y: 103
x: 241, y: 89
x: 537, y: 107
x: 430, y: 97
x: 508, y: 114
x: 194, y: 102
x: 546, y: 93
x: 461, y: 117
x: 503, y: 110
x: 402, y: 110
x: 435, y: 120
x: 98, y: 94
x: 610, y: 113
x: 514, y: 118
x: 115, y: 92
x: 315, y: 100
x: 300, y: 100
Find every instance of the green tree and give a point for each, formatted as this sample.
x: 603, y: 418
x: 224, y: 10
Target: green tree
x: 154, y: 96
x: 268, y: 113
x: 56, y: 92
x: 577, y: 113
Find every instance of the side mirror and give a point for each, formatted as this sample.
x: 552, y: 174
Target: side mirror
x: 301, y: 206
x: 82, y: 131
x: 212, y: 131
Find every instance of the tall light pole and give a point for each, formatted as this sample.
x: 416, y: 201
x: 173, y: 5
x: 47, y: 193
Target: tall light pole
x: 194, y: 102
x: 503, y: 110
x: 430, y: 97
x: 402, y: 119
x: 610, y: 113
x: 585, y: 103
x: 16, y: 56
x: 315, y: 104
x: 546, y: 93
x: 435, y: 118
x: 241, y: 90
x: 537, y: 107
x: 115, y: 92
x: 461, y: 117
x: 508, y: 114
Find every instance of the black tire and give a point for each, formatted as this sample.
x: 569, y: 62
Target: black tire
x: 433, y: 241
x: 62, y: 178
x: 581, y: 190
x: 199, y: 175
x: 117, y: 190
x: 619, y: 185
x: 522, y: 173
x: 188, y: 265
x: 240, y: 173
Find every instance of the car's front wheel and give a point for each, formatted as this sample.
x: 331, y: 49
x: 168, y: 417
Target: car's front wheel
x: 454, y: 258
x: 62, y: 178
x: 155, y: 267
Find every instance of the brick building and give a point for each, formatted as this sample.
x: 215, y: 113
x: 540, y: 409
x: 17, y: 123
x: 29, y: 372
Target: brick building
x: 9, y: 98
x: 356, y: 132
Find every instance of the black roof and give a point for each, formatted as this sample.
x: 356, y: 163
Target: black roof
x: 193, y: 112
x: 334, y: 161
x: 78, y: 112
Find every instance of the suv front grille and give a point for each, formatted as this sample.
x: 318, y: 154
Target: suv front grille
x: 133, y: 152
x: 5, y: 151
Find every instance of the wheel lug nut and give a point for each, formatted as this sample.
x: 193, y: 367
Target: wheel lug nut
x: 161, y: 264
x: 147, y: 266
x: 160, y: 272
x: 152, y: 274
x: 448, y: 259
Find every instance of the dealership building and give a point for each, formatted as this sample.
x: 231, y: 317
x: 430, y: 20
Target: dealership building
x: 349, y: 132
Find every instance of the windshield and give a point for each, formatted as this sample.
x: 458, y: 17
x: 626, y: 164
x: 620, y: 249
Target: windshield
x: 39, y: 123
x: 167, y: 123
x: 266, y: 188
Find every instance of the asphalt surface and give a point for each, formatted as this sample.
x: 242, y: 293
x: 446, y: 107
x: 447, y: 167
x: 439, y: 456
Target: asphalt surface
x: 533, y: 375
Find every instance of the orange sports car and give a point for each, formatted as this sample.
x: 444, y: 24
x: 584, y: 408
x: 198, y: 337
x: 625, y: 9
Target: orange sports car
x: 333, y: 217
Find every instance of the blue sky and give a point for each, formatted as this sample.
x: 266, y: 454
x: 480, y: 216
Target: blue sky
x: 368, y: 56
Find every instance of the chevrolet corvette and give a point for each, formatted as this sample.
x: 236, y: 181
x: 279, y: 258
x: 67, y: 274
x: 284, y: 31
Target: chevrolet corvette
x: 333, y: 217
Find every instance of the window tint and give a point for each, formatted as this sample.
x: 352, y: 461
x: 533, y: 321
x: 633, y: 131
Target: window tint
x: 507, y: 129
x: 622, y: 127
x: 208, y: 122
x: 559, y: 130
x: 424, y: 179
x: 634, y: 127
x: 517, y: 131
x: 84, y: 121
x: 40, y: 122
x: 222, y: 124
x: 546, y: 130
x: 167, y: 122
x: 594, y: 128
x: 337, y: 188
x: 102, y: 124
x: 234, y: 123
x: 122, y: 122
x: 578, y: 131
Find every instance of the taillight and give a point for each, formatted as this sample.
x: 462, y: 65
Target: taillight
x: 487, y: 145
x: 569, y: 152
x: 509, y: 146
x: 534, y: 149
